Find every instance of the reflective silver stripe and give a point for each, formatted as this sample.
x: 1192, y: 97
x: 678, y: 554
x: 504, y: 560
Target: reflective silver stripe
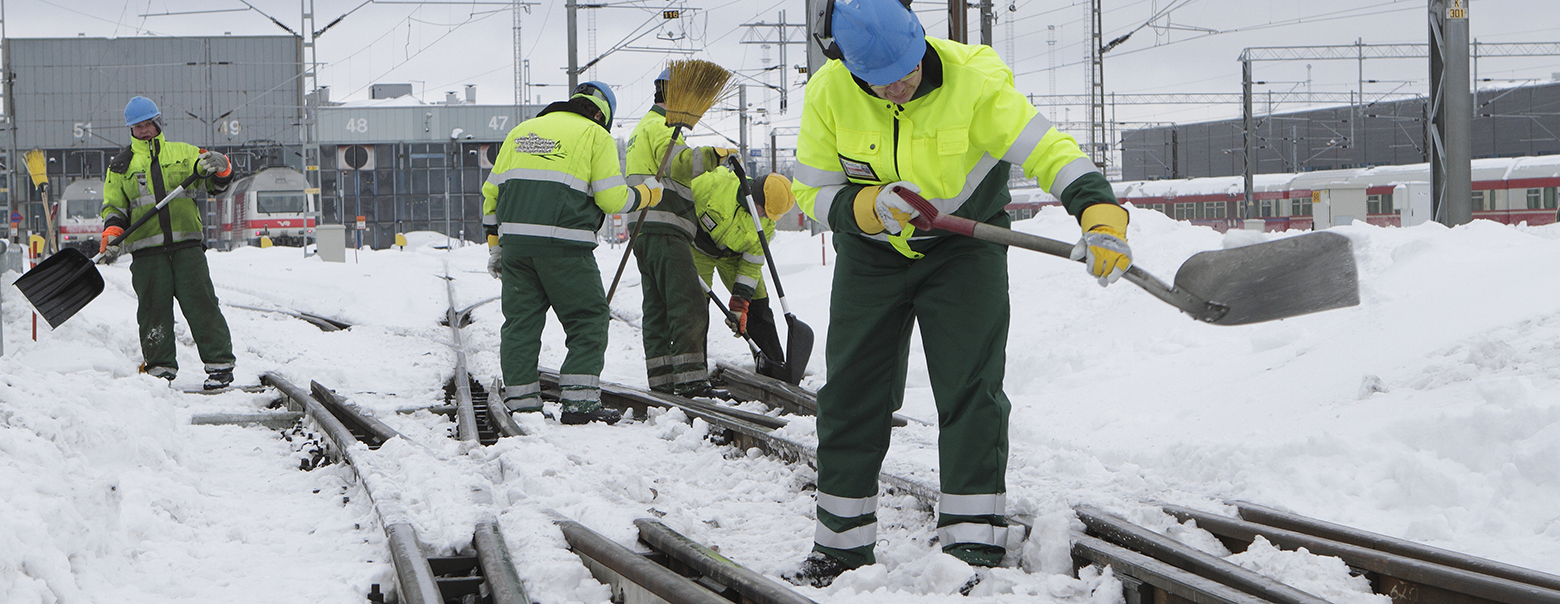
x: 579, y: 379
x: 117, y: 211
x: 581, y: 394
x: 1069, y: 173
x: 523, y: 390
x: 684, y: 359
x: 847, y: 507
x: 156, y: 240
x: 661, y: 380
x: 819, y: 177
x: 489, y: 219
x: 162, y: 372
x: 660, y: 361
x: 970, y: 532
x: 148, y: 199
x: 823, y: 203
x: 215, y: 367
x: 748, y: 281
x: 690, y: 376
x: 972, y: 505
x: 548, y: 231
x: 698, y: 162
x: 676, y: 187
x: 664, y: 217
x: 563, y: 178
x: 607, y: 183
x: 860, y: 536
x: 1028, y: 138
x: 752, y: 258
x: 635, y: 180
x: 630, y: 201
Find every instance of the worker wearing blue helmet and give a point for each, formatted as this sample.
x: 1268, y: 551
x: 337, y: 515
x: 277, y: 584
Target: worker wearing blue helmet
x: 554, y: 181
x: 676, y: 315
x: 896, y: 108
x: 169, y: 250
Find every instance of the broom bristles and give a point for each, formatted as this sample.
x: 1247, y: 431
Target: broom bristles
x: 35, y: 166
x: 694, y: 87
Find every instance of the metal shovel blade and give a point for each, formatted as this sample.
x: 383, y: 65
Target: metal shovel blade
x: 61, y: 285
x: 1275, y: 280
x: 798, y: 347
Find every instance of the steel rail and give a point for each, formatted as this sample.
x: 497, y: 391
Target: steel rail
x: 1430, y: 583
x: 1252, y: 512
x: 753, y: 587
x: 466, y: 415
x: 775, y: 393
x: 1157, y: 574
x: 1121, y: 532
x: 413, y: 573
x: 626, y: 571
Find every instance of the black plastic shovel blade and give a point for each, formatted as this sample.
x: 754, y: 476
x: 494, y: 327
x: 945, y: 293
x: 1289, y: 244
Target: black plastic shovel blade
x: 60, y: 285
x: 1275, y: 280
x: 798, y: 347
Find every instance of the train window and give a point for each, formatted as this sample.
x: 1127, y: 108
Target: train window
x: 84, y: 208
x: 1300, y: 206
x: 1267, y: 208
x: 1550, y: 202
x: 1535, y: 199
x: 281, y: 202
x: 1477, y: 201
x: 1185, y: 211
x: 1213, y: 210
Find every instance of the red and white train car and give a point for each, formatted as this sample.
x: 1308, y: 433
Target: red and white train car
x: 275, y: 202
x: 78, y: 216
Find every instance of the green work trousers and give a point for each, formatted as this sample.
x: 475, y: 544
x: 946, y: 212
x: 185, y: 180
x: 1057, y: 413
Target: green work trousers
x: 677, y: 319
x: 180, y: 274
x: 958, y: 294
x: 571, y: 287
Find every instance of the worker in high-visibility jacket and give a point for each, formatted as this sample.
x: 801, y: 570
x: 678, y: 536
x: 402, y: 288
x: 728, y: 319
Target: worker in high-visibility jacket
x: 553, y: 183
x: 676, y: 317
x: 169, y: 250
x: 728, y: 243
x: 899, y: 109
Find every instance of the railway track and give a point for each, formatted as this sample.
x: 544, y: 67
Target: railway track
x: 667, y: 566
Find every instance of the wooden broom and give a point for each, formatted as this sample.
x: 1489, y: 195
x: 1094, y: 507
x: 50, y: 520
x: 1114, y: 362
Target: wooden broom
x: 694, y: 87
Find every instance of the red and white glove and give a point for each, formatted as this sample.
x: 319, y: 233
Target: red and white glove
x: 739, y: 307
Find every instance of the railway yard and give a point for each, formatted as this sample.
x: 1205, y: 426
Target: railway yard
x: 1407, y: 444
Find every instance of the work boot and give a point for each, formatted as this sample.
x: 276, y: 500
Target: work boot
x: 532, y: 404
x: 218, y: 380
x: 702, y: 389
x: 817, y: 569
x: 604, y: 415
x: 167, y: 373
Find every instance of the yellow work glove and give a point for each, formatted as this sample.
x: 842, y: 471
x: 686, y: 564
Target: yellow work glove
x: 1103, y: 247
x: 649, y: 193
x: 879, y: 209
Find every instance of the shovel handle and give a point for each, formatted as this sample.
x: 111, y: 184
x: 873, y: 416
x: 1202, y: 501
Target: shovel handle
x: 148, y: 216
x: 930, y: 218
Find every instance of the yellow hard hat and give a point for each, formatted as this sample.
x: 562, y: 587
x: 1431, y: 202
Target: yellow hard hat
x: 777, y: 196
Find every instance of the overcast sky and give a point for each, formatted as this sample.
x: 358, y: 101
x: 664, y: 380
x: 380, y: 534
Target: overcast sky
x: 1192, y: 46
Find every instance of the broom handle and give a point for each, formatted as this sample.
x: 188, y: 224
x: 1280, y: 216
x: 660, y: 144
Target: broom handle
x: 666, y: 162
x: 148, y: 216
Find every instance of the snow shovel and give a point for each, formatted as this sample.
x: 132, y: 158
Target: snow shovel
x: 65, y: 282
x: 761, y: 361
x: 799, y: 336
x: 1251, y: 284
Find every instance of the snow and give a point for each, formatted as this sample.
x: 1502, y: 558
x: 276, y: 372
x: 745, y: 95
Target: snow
x: 1429, y: 412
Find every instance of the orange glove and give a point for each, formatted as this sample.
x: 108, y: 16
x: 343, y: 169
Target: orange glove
x: 108, y: 235
x: 739, y: 307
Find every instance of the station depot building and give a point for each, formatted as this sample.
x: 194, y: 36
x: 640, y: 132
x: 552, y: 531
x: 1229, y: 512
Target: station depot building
x: 393, y: 164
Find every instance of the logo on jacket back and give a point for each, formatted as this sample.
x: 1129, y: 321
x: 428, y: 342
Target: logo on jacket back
x: 536, y: 145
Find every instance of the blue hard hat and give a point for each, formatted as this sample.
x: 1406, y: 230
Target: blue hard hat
x: 882, y: 40
x: 140, y: 109
x: 666, y: 75
x: 600, y: 91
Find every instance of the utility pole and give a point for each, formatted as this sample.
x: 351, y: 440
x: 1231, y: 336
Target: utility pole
x: 786, y: 34
x: 1250, y: 137
x: 986, y: 19
x: 1050, y: 53
x: 1097, y: 138
x: 1451, y: 122
x: 519, y: 65
x: 815, y: 58
x: 958, y: 21
x: 574, y: 45
x: 742, y: 125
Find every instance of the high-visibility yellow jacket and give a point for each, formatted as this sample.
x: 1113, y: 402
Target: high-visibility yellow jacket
x: 129, y: 192
x: 956, y: 139
x: 554, y: 181
x: 646, y: 149
x: 726, y: 228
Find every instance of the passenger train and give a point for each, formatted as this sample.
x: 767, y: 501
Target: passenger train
x: 79, y: 215
x: 1509, y: 190
x: 275, y: 202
